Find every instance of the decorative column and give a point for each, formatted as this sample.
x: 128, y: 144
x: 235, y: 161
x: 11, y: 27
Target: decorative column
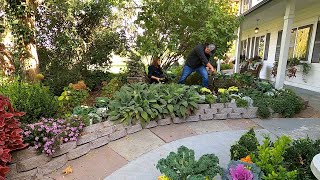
x: 238, y: 51
x: 238, y: 43
x: 285, y: 42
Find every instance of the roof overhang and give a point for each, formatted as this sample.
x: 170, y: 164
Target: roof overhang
x: 257, y: 6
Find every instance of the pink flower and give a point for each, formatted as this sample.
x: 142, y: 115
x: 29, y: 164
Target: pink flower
x: 240, y: 173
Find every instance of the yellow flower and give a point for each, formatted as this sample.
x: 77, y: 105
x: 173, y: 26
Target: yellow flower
x: 163, y: 177
x: 222, y: 91
x: 205, y: 90
x: 233, y: 89
x: 246, y: 159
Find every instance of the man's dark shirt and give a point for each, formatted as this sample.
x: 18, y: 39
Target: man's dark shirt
x: 198, y: 57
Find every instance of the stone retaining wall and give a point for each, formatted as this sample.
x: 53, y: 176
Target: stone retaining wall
x: 28, y: 164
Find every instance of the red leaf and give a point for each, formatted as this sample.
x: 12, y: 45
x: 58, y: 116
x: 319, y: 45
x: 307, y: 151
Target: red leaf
x: 3, y: 171
x: 19, y: 114
x: 2, y: 122
x: 8, y: 115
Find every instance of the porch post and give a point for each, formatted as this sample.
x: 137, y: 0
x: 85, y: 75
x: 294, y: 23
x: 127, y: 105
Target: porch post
x: 285, y: 42
x: 238, y: 51
x: 238, y: 43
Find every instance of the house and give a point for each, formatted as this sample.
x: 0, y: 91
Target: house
x: 278, y: 30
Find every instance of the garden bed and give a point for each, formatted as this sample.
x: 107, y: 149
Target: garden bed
x: 28, y: 163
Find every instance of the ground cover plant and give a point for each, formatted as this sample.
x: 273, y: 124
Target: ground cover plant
x: 47, y: 134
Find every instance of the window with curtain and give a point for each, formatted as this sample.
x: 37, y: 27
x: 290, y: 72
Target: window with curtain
x: 299, y: 42
x: 316, y: 48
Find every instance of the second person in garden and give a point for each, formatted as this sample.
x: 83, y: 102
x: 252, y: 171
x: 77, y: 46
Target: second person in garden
x: 198, y: 60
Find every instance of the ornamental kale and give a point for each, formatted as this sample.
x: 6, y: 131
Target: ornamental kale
x: 242, y: 171
x: 48, y: 134
x: 183, y: 166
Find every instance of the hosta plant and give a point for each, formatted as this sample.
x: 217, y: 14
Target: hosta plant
x: 143, y: 102
x: 183, y: 165
x: 10, y: 134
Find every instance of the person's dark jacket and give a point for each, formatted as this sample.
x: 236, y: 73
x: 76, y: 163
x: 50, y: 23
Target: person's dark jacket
x: 155, y: 71
x: 198, y: 57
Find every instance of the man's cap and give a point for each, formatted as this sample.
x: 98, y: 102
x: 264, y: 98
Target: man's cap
x: 211, y: 47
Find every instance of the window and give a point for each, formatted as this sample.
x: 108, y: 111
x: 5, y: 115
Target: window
x: 248, y: 47
x: 252, y: 47
x: 316, y: 48
x: 299, y: 42
x: 278, y: 47
x: 256, y: 47
x: 266, y: 48
x: 246, y: 5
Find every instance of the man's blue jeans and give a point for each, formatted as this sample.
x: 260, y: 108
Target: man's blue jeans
x: 201, y: 70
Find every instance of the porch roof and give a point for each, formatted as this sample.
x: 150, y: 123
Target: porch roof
x: 268, y: 10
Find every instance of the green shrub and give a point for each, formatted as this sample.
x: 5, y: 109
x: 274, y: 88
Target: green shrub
x: 284, y: 102
x: 247, y: 145
x: 270, y: 158
x: 93, y: 79
x: 241, y: 102
x: 299, y: 156
x: 72, y: 96
x: 35, y: 100
x: 143, y: 102
x: 287, y: 103
x: 225, y: 66
x: 264, y: 86
x: 60, y: 78
x: 111, y: 87
x: 183, y: 166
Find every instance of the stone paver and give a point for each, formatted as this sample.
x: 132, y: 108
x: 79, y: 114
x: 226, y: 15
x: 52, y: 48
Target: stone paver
x: 173, y: 132
x: 203, y: 127
x: 134, y: 145
x: 242, y: 124
x: 294, y: 127
x: 97, y: 164
x: 144, y: 168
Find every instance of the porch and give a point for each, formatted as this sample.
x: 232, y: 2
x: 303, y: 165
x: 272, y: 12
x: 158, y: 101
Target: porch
x: 286, y: 29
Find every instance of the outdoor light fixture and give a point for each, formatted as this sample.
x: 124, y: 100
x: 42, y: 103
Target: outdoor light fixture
x: 256, y: 30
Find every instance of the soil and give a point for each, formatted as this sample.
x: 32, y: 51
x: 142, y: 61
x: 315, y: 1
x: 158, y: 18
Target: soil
x: 90, y: 101
x: 309, y: 112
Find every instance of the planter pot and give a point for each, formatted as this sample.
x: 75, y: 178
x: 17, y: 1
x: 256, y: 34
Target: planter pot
x: 132, y: 80
x: 315, y: 166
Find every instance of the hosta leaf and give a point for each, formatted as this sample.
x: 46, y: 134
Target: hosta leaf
x: 170, y: 108
x: 144, y: 115
x: 195, y: 105
x: 183, y: 110
x: 185, y: 103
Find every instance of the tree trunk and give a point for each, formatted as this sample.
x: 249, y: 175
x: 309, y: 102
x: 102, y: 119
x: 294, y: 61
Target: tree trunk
x: 30, y: 62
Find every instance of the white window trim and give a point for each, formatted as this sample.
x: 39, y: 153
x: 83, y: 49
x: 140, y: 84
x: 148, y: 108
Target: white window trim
x: 312, y: 40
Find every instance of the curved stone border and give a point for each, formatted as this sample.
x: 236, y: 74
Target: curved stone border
x: 28, y: 164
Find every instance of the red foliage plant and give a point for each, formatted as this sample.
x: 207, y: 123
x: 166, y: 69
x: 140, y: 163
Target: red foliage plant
x: 10, y: 134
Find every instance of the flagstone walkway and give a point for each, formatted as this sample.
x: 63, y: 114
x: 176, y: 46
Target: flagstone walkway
x: 136, y: 155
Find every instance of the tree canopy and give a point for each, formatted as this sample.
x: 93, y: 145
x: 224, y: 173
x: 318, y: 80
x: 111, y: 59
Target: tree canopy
x: 173, y: 28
